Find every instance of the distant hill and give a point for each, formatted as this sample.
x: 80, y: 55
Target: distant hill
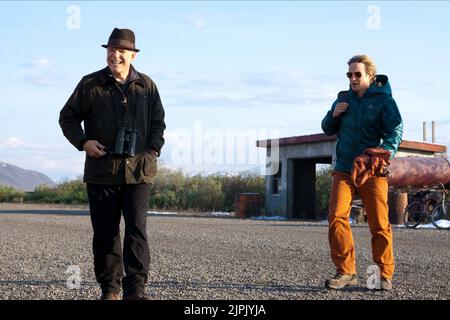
x: 21, y: 179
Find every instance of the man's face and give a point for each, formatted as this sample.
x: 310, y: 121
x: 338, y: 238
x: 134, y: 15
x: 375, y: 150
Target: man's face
x: 119, y: 60
x: 359, y: 79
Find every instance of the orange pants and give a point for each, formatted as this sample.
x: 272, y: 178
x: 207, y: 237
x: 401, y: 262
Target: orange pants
x: 374, y: 193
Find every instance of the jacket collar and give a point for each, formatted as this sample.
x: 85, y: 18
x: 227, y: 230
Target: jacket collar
x: 106, y: 76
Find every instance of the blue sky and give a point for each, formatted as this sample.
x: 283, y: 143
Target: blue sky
x: 249, y: 69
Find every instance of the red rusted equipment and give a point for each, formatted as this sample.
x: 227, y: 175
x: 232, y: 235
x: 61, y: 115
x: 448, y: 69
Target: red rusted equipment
x: 397, y: 202
x: 248, y: 205
x: 418, y: 172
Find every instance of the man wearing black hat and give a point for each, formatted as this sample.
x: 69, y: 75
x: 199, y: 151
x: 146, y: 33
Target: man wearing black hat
x: 122, y: 137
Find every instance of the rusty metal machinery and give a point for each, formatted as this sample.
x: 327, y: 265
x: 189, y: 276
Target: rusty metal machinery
x: 418, y: 172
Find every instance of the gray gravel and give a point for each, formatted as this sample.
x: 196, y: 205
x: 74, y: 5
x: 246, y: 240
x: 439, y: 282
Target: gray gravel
x: 216, y: 258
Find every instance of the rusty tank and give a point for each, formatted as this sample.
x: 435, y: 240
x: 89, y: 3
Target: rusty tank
x: 418, y: 172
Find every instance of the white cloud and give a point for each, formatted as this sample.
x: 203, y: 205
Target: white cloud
x: 42, y: 62
x: 46, y: 78
x: 42, y: 72
x: 197, y: 23
x: 45, y: 162
x: 11, y: 142
x: 49, y: 162
x: 14, y: 142
x: 238, y: 90
x: 53, y: 162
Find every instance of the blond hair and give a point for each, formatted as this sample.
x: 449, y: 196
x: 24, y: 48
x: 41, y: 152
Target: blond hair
x: 371, y: 68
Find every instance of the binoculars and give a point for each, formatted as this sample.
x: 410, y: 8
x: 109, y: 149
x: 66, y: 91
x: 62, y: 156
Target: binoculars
x: 125, y: 142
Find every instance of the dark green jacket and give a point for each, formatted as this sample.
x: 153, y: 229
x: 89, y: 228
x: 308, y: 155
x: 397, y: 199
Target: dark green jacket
x: 100, y: 103
x: 371, y: 121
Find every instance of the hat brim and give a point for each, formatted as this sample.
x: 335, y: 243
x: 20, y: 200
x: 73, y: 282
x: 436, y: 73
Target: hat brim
x: 120, y: 47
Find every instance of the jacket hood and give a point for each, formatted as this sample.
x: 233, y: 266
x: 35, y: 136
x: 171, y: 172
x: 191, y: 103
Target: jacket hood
x: 379, y: 86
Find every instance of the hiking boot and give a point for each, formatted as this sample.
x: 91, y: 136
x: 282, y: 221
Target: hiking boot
x: 385, y: 284
x: 110, y: 296
x: 341, y: 280
x: 137, y: 296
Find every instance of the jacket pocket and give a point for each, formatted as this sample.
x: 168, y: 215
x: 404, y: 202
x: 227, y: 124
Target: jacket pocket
x: 100, y: 167
x: 150, y: 165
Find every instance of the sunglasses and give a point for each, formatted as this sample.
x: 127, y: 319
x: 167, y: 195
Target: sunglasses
x: 357, y: 74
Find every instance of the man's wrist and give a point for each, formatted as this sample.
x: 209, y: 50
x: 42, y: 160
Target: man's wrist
x: 81, y: 145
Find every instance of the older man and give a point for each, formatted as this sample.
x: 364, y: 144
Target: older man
x: 122, y: 137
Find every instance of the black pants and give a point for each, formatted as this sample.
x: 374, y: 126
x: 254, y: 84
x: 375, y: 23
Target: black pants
x: 106, y: 205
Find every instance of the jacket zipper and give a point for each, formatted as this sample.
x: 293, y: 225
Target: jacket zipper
x: 125, y: 97
x: 125, y: 100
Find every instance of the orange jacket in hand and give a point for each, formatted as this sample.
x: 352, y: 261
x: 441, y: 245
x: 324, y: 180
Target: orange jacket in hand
x: 373, y: 162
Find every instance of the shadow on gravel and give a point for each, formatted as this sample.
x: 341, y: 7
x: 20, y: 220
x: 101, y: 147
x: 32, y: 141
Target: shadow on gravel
x: 249, y: 287
x: 318, y: 225
x: 61, y: 212
x: 44, y: 283
x: 32, y: 283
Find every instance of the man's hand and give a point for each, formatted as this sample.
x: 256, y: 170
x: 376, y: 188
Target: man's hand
x: 94, y: 148
x: 154, y: 152
x: 341, y: 107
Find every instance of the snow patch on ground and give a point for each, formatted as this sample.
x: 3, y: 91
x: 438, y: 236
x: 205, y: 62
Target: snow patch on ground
x: 268, y: 218
x: 325, y: 222
x: 441, y: 223
x: 221, y: 214
x: 162, y: 213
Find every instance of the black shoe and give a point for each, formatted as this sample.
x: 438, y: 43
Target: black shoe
x: 137, y: 296
x: 110, y: 296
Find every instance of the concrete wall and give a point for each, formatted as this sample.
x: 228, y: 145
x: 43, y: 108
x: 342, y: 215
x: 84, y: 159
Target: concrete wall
x: 409, y: 153
x: 277, y: 204
x: 311, y: 150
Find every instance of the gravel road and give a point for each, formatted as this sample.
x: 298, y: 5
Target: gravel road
x: 215, y: 258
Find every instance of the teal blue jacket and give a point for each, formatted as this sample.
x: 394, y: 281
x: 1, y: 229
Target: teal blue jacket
x: 370, y: 121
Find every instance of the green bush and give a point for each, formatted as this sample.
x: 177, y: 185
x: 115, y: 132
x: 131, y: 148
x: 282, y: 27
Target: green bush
x: 71, y: 192
x: 172, y: 190
x: 204, y: 193
x: 9, y: 194
x: 166, y: 199
x: 323, y: 189
x: 240, y: 183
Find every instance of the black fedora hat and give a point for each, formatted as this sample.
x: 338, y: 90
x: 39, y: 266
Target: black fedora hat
x: 121, y: 38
